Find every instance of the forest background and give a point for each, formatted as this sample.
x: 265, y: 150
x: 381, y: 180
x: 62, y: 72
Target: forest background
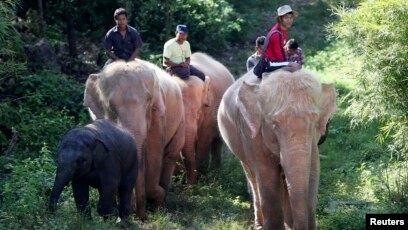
x: 49, y: 47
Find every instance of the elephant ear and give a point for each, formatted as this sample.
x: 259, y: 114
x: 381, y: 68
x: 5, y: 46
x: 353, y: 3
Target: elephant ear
x: 92, y: 98
x: 248, y: 106
x: 206, y: 92
x: 100, y: 153
x: 327, y: 106
x: 159, y: 108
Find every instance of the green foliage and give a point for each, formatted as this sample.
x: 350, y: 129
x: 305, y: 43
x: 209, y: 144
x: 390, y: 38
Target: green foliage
x: 393, y: 189
x: 11, y: 50
x: 348, y: 218
x: 376, y: 31
x: 40, y: 108
x: 25, y: 191
x: 211, y: 23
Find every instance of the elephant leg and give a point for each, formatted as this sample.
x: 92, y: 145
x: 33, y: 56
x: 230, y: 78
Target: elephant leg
x: 255, y: 196
x: 125, y: 196
x: 203, y: 147
x: 188, y: 156
x: 268, y: 174
x: 81, y: 195
x: 107, y: 196
x: 171, y: 155
x: 216, y: 148
x: 155, y: 194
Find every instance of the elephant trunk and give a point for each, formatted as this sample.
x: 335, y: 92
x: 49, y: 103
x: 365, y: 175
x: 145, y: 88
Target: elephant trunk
x: 61, y: 180
x: 296, y: 164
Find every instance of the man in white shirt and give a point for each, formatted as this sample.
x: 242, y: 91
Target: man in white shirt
x: 176, y: 55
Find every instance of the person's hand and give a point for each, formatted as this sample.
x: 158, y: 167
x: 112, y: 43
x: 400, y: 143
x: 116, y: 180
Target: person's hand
x: 185, y: 65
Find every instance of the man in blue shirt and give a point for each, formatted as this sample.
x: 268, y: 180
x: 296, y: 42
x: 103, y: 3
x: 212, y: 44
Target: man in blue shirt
x: 122, y: 41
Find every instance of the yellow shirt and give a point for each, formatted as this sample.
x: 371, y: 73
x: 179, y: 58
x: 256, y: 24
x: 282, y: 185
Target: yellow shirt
x: 175, y: 52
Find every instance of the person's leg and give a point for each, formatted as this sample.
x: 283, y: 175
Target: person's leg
x: 194, y: 71
x: 181, y: 72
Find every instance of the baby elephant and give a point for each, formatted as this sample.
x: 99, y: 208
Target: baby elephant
x: 103, y: 156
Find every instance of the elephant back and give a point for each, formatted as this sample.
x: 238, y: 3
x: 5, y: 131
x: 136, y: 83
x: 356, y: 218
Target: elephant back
x: 221, y: 77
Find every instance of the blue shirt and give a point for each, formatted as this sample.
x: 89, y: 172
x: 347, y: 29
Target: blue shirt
x: 122, y: 47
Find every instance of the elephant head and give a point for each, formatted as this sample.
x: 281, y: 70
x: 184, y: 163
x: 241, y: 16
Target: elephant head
x: 128, y: 93
x: 80, y: 150
x: 284, y: 101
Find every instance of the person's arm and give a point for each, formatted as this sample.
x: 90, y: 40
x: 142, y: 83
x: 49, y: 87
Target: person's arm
x: 171, y: 64
x: 138, y: 44
x: 186, y: 62
x: 111, y: 55
x: 134, y: 55
x: 301, y: 57
x: 108, y: 47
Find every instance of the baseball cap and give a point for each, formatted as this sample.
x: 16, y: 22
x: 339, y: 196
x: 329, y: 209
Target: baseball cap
x: 286, y: 9
x: 182, y: 29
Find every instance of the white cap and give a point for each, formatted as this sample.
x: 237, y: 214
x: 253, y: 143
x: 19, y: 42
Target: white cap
x: 285, y: 9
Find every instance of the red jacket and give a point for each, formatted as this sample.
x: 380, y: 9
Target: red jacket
x: 276, y: 45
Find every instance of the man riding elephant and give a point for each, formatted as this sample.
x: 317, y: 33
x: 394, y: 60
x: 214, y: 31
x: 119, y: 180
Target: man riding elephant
x: 176, y: 55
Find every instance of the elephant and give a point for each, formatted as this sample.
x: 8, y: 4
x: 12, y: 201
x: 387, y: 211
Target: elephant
x: 201, y: 101
x: 273, y: 126
x: 144, y: 99
x: 102, y: 155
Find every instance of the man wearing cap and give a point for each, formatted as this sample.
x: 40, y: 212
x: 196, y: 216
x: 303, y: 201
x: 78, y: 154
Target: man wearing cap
x: 275, y: 52
x: 176, y: 55
x: 122, y: 42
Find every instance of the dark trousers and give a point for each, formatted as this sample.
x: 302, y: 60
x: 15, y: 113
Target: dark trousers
x: 184, y: 73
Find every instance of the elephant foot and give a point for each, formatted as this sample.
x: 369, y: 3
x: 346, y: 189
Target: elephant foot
x: 192, y: 177
x: 257, y: 227
x: 141, y: 214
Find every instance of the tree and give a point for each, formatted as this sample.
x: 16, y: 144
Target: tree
x: 11, y: 52
x: 376, y: 31
x: 70, y: 29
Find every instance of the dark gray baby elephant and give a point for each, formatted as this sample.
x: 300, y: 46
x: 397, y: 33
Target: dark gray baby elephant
x: 101, y: 155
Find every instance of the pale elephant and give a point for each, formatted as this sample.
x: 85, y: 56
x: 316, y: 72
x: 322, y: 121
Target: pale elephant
x: 273, y: 126
x: 144, y: 99
x: 201, y: 101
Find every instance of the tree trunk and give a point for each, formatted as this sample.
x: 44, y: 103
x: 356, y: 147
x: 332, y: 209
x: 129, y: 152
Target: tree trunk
x: 168, y: 13
x: 41, y: 17
x: 72, y: 41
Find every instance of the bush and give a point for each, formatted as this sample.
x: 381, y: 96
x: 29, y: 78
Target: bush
x: 42, y: 107
x: 376, y: 32
x: 26, y: 190
x: 12, y: 56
